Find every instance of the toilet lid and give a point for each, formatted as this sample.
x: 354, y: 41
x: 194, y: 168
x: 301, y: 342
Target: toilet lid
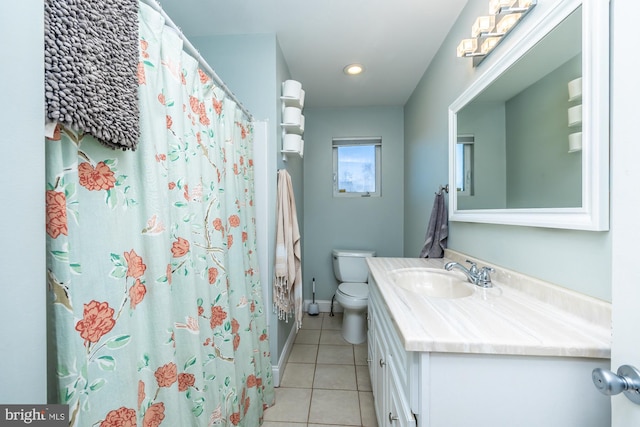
x: 355, y: 290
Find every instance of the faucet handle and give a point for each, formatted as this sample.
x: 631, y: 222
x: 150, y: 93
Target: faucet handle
x: 484, y: 278
x: 474, y: 267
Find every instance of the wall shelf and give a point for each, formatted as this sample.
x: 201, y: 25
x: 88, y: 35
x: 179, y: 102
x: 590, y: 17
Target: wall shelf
x: 292, y: 100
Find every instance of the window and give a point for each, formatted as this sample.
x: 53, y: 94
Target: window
x: 464, y: 165
x: 356, y: 167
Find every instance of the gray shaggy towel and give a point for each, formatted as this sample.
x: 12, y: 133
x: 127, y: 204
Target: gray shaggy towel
x: 91, y: 60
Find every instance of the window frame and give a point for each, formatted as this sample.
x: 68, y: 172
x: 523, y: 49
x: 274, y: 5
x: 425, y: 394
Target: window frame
x: 466, y: 161
x: 358, y: 141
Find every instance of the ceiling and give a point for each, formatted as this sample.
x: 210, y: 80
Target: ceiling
x: 394, y: 40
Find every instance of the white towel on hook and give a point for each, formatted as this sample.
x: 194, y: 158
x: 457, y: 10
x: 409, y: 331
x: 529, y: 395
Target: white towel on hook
x: 287, y: 285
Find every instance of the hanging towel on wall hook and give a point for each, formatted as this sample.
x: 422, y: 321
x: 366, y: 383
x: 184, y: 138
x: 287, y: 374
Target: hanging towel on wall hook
x: 435, y: 240
x: 287, y: 286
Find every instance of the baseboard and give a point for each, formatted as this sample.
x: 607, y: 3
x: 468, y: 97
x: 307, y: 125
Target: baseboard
x: 324, y: 306
x: 278, y: 370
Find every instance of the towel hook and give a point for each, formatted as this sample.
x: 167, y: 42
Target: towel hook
x: 445, y: 188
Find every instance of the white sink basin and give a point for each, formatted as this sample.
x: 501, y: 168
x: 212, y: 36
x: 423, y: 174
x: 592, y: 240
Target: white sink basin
x: 432, y: 282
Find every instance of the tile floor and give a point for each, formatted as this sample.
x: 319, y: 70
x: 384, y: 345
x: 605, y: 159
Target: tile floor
x: 326, y: 381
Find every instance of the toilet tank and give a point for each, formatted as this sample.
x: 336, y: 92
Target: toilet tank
x: 351, y: 265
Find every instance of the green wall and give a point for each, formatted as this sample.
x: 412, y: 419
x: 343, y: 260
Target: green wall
x: 372, y: 223
x: 540, y: 170
x: 486, y: 122
x: 578, y: 260
x: 23, y: 342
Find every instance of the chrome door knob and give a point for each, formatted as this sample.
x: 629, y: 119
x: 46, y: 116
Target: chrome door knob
x: 626, y: 381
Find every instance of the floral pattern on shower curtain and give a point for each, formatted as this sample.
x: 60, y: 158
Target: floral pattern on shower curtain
x: 156, y: 311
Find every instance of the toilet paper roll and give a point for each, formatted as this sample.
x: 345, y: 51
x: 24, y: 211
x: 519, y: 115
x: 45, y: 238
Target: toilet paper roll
x: 291, y: 89
x: 575, y: 115
x: 575, y: 89
x: 575, y: 141
x: 292, y: 116
x: 302, y: 98
x: 292, y: 142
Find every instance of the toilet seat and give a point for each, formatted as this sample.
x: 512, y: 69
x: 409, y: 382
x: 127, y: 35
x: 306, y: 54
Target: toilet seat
x: 353, y: 290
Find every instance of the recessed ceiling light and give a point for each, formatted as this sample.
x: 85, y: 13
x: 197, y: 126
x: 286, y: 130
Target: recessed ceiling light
x: 353, y: 69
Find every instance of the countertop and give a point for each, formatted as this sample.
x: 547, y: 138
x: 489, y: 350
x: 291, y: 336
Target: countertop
x: 519, y: 316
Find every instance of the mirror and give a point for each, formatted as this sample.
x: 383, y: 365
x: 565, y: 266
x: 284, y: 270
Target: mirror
x: 521, y: 152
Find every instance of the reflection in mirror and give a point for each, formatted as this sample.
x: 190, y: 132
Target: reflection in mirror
x: 521, y: 129
x: 516, y: 135
x: 464, y: 165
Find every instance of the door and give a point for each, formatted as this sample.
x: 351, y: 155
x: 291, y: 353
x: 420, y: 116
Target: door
x: 625, y: 201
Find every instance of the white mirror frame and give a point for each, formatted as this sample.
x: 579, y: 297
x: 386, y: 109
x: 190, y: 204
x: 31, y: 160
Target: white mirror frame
x: 594, y: 213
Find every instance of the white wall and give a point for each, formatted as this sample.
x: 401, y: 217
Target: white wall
x: 23, y: 339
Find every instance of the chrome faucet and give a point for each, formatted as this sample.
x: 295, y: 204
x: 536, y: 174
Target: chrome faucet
x: 475, y: 275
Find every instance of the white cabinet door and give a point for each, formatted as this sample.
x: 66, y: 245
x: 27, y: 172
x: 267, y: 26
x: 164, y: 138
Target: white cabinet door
x: 398, y: 413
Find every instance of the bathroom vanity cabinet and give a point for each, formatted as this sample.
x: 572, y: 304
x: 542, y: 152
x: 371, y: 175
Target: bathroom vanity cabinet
x: 389, y: 368
x: 433, y: 365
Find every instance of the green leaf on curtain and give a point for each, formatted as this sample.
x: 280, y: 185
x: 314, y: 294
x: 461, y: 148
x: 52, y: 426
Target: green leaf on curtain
x: 70, y: 392
x: 69, y: 190
x: 180, y: 204
x: 73, y: 210
x: 116, y: 260
x: 119, y: 341
x: 144, y: 362
x: 111, y: 198
x: 76, y: 268
x: 110, y: 162
x: 227, y: 326
x: 199, y: 301
x: 197, y: 410
x: 118, y: 272
x: 190, y: 362
x: 150, y: 64
x: 106, y: 363
x: 61, y: 255
x: 62, y: 371
x: 227, y: 381
x: 121, y: 179
x: 97, y: 384
x: 162, y: 279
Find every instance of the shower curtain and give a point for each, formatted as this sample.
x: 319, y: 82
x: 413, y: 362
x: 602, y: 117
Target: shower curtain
x: 156, y: 311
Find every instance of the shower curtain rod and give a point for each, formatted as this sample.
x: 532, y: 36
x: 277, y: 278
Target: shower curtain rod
x: 194, y: 52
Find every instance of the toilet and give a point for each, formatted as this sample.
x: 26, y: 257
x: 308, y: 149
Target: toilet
x: 350, y: 268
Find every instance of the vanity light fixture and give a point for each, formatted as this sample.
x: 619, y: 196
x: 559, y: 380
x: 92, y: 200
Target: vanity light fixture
x: 488, y: 31
x: 353, y: 69
x: 495, y: 6
x: 483, y: 25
